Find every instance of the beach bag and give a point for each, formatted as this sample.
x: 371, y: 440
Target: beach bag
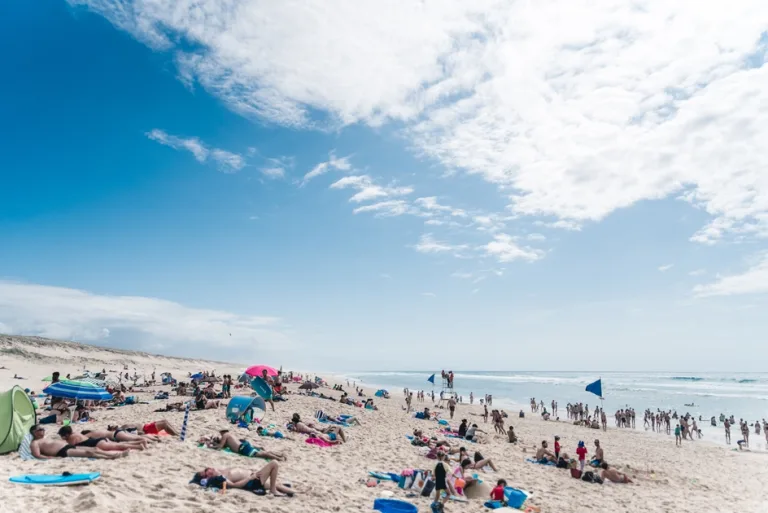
x: 576, y: 473
x: 591, y: 477
x: 428, y: 488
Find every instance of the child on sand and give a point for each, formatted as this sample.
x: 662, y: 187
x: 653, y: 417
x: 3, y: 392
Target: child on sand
x: 557, y: 447
x: 441, y: 484
x: 497, y: 494
x: 581, y: 450
x: 678, y: 436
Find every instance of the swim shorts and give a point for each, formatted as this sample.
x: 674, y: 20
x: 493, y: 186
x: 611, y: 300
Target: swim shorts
x: 150, y: 429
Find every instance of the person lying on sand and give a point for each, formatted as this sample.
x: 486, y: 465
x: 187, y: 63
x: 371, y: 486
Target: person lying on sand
x: 613, y: 475
x: 172, y: 407
x: 240, y: 446
x: 151, y: 428
x: 43, y: 449
x: 544, y: 455
x: 245, y: 479
x: 202, y: 403
x: 479, y: 461
x: 331, y: 434
x: 105, y: 444
x: 116, y: 436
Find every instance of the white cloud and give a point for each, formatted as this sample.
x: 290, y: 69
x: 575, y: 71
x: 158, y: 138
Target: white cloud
x: 666, y: 267
x: 504, y: 249
x: 339, y: 164
x: 752, y: 281
x: 273, y: 172
x: 129, y: 321
x: 614, y: 102
x: 429, y: 294
x: 390, y: 208
x: 697, y: 272
x: 536, y: 237
x: 228, y: 162
x: 428, y: 244
x: 367, y: 190
x: 430, y: 205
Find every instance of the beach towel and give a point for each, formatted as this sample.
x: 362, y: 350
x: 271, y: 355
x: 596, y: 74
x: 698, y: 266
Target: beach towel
x: 24, y: 450
x: 547, y: 464
x: 318, y: 442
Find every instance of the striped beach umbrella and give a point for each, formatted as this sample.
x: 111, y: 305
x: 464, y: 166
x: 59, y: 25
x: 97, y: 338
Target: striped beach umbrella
x: 77, y: 390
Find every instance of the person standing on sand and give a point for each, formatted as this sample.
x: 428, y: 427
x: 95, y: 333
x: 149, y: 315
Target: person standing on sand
x: 471, y: 398
x: 452, y: 406
x: 603, y: 420
x: 581, y: 450
x: 678, y: 436
x: 485, y: 413
x: 727, y: 426
x: 408, y: 400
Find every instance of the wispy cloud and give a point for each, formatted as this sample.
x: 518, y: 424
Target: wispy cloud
x: 228, y: 162
x: 367, y: 190
x: 429, y: 294
x: 697, y: 272
x: 275, y: 168
x: 391, y: 208
x: 131, y: 322
x: 613, y: 108
x: 504, y: 248
x: 428, y: 244
x: 752, y: 281
x: 333, y: 162
x: 666, y: 267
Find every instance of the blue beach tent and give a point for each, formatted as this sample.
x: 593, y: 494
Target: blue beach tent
x: 243, y: 408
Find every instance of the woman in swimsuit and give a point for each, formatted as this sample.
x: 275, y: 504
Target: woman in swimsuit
x: 242, y: 447
x: 255, y: 482
x: 78, y: 440
x: 116, y: 435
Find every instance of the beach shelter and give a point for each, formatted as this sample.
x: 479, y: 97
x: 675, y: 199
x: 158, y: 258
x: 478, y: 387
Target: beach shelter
x: 244, y: 408
x: 17, y: 415
x: 257, y: 370
x: 381, y: 393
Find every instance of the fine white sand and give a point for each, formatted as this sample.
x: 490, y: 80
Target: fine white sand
x: 698, y: 477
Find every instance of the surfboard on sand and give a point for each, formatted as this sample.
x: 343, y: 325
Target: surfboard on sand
x: 56, y: 479
x: 261, y: 387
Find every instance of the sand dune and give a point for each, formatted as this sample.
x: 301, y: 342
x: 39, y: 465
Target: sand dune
x: 698, y: 478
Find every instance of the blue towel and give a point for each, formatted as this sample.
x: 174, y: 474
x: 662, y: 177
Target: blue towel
x: 548, y: 464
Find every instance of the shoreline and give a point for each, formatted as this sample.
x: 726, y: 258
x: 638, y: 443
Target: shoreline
x: 693, y: 479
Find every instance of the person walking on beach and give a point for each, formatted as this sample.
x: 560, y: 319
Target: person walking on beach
x: 603, y: 420
x: 727, y: 426
x: 452, y: 406
x: 471, y: 398
x: 408, y: 399
x: 678, y: 436
x: 485, y: 413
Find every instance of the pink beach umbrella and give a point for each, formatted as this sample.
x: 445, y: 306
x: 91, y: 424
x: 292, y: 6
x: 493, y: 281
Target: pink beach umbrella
x: 257, y: 371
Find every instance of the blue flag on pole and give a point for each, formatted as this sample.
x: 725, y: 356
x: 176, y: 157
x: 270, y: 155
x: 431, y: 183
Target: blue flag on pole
x: 431, y: 379
x: 596, y: 388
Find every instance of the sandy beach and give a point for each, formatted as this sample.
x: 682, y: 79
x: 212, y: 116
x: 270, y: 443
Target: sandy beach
x: 699, y: 477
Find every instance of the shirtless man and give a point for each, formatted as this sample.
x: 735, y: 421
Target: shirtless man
x: 599, y: 457
x: 240, y: 446
x: 727, y: 426
x: 452, y: 406
x: 105, y: 444
x: 613, y: 475
x: 254, y: 481
x: 544, y: 455
x: 48, y: 449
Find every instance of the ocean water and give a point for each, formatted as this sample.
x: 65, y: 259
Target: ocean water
x: 743, y: 395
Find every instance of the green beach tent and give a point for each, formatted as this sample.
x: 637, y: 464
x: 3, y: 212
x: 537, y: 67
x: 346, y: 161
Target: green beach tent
x: 17, y: 415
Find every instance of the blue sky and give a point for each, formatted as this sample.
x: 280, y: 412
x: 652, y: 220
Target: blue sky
x: 510, y: 201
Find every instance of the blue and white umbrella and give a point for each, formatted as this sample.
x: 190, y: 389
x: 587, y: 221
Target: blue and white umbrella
x: 199, y: 375
x: 77, y: 390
